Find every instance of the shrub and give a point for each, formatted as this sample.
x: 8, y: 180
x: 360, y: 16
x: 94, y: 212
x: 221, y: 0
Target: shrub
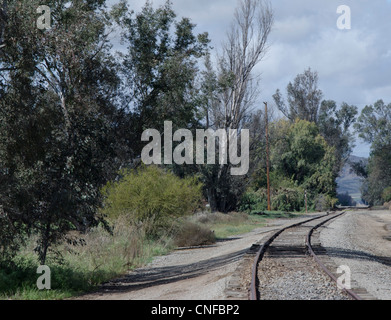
x: 386, y: 195
x: 10, y: 240
x: 192, y: 234
x: 284, y: 199
x: 346, y: 200
x: 288, y: 199
x: 214, y: 218
x: 324, y: 202
x: 152, y: 195
x: 253, y: 201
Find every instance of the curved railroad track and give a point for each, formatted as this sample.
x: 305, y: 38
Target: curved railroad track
x: 283, y: 266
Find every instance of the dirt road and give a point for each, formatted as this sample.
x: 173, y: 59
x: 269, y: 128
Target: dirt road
x: 207, y: 273
x: 196, y: 274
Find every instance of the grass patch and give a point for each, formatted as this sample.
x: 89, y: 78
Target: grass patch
x: 82, y: 268
x: 105, y: 257
x: 232, y: 224
x: 225, y: 225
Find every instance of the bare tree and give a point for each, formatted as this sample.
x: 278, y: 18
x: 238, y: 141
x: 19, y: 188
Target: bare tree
x: 231, y: 95
x: 245, y: 47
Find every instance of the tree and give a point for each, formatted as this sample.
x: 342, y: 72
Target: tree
x: 160, y: 67
x: 57, y: 156
x: 374, y: 126
x: 301, y: 155
x: 3, y: 17
x: 304, y: 98
x: 232, y: 92
x: 334, y: 124
x: 305, y: 103
x: 379, y: 176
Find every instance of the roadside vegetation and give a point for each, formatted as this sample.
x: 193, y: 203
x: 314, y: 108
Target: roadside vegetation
x: 73, y: 194
x: 374, y: 127
x: 135, y: 236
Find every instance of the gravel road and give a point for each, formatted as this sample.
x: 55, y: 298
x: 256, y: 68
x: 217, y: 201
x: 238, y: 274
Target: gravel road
x: 196, y: 274
x: 361, y: 241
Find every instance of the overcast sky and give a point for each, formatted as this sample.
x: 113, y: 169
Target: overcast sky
x: 352, y: 64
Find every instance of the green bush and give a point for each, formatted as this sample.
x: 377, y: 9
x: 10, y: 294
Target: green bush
x: 253, y: 201
x: 152, y: 195
x: 284, y: 199
x: 386, y: 195
x: 288, y: 199
x: 324, y: 202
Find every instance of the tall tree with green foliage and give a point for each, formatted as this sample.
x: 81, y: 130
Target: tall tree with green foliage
x: 335, y: 124
x: 304, y: 98
x: 300, y: 154
x: 59, y: 141
x: 374, y: 126
x: 160, y: 67
x: 305, y: 103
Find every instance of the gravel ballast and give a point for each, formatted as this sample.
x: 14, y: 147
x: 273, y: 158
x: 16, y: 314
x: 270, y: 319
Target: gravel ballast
x: 360, y: 241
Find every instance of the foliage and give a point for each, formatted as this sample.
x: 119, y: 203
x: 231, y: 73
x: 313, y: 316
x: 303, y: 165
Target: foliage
x: 305, y: 103
x: 334, y: 125
x: 289, y: 199
x: 65, y: 146
x: 102, y: 258
x: 72, y: 114
x: 191, y: 234
x: 11, y: 238
x: 324, y: 202
x: 160, y: 67
x: 386, y: 195
x: 252, y: 201
x: 229, y: 93
x: 346, y: 200
x: 303, y: 156
x: 304, y: 98
x: 152, y: 195
x: 302, y: 161
x: 374, y: 126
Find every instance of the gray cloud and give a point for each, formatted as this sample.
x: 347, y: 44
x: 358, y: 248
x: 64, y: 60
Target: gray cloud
x: 353, y: 65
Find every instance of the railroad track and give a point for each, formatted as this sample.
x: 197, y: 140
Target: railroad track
x: 283, y: 267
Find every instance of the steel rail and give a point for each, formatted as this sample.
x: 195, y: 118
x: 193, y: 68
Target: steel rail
x: 323, y: 267
x: 254, y: 294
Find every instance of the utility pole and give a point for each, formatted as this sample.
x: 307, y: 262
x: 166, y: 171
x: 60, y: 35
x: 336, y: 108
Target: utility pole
x: 267, y: 159
x: 306, y: 202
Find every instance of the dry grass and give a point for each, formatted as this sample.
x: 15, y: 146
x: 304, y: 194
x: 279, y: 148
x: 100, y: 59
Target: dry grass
x: 107, y: 256
x: 192, y: 234
x: 225, y: 225
x: 127, y: 248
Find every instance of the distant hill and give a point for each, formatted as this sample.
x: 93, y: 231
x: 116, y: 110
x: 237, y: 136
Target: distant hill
x: 349, y: 182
